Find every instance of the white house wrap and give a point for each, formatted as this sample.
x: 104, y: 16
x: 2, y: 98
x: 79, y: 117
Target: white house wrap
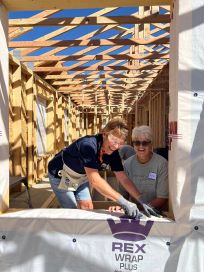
x: 64, y: 240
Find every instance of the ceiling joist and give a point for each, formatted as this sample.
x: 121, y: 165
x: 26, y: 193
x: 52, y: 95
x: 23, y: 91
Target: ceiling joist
x: 99, y: 20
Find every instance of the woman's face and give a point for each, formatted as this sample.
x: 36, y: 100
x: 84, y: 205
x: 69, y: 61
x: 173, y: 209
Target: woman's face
x: 111, y: 143
x: 143, y: 148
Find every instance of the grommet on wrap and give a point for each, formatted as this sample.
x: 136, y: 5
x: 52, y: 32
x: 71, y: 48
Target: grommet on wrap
x: 196, y: 228
x: 74, y: 240
x: 3, y: 237
x: 195, y: 94
x: 168, y: 243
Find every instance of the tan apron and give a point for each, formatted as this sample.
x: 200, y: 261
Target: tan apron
x: 71, y: 180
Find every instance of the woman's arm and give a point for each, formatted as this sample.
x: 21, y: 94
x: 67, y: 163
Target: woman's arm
x: 159, y: 202
x: 101, y: 185
x: 105, y: 189
x: 132, y: 190
x: 127, y: 184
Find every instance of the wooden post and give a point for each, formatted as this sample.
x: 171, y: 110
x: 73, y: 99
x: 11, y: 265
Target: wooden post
x: 17, y: 130
x: 87, y: 121
x: 24, y: 127
x: 29, y: 92
x: 69, y: 119
x: 4, y: 112
x: 35, y: 130
x: 60, y: 135
x: 95, y: 114
x: 50, y: 125
x: 82, y: 116
x: 109, y: 107
x: 136, y: 112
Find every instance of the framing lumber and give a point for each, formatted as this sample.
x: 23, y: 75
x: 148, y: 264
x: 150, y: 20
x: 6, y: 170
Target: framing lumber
x: 98, y: 68
x: 99, y: 20
x: 17, y: 31
x: 103, y: 76
x: 94, y: 57
x: 67, y: 28
x: 74, y: 4
x: 101, y: 42
x: 48, y: 201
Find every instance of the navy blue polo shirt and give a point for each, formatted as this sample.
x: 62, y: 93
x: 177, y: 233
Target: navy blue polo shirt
x: 85, y: 152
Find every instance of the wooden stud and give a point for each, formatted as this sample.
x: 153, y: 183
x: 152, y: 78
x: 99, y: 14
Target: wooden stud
x: 17, y: 100
x: 30, y: 143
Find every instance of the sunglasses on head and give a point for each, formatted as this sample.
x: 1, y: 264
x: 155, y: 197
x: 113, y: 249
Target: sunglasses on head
x: 142, y: 143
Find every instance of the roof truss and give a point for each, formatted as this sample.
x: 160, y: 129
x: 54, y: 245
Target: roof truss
x: 110, y: 57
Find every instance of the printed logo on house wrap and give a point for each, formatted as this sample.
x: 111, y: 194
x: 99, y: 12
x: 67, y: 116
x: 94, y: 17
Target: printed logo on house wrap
x: 130, y: 249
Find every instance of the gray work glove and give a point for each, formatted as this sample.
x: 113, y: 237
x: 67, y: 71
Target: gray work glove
x: 129, y: 208
x: 147, y: 209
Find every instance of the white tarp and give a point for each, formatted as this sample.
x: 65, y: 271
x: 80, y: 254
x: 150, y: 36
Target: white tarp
x: 186, y: 116
x: 76, y: 240
x: 186, y: 135
x: 65, y: 240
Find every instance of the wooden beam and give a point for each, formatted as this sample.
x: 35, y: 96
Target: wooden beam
x: 57, y: 32
x: 48, y: 201
x: 77, y: 4
x: 70, y: 89
x: 107, y: 81
x: 98, y: 20
x: 97, y: 86
x: 101, y: 42
x: 17, y: 31
x: 98, y: 68
x: 95, y: 57
x: 104, y: 76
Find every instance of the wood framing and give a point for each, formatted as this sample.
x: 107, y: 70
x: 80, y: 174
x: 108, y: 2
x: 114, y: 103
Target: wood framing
x: 63, y: 4
x: 95, y: 57
x: 102, y: 20
x: 91, y: 86
x: 146, y: 56
x: 102, y: 42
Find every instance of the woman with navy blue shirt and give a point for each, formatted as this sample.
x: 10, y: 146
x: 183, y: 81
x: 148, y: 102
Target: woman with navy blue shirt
x: 76, y: 166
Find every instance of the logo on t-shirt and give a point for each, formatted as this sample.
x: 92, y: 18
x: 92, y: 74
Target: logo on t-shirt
x: 152, y: 176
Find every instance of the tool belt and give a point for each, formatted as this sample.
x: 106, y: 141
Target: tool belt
x: 71, y: 180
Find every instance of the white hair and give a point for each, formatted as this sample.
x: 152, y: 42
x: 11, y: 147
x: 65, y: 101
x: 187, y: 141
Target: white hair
x: 142, y: 131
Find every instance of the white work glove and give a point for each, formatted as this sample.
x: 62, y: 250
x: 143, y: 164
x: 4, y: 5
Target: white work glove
x: 147, y: 209
x: 129, y: 208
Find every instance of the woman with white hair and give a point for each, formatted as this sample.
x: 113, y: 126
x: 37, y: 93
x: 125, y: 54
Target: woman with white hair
x: 148, y: 170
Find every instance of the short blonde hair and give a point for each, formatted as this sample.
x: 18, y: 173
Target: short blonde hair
x: 145, y: 131
x: 117, y: 127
